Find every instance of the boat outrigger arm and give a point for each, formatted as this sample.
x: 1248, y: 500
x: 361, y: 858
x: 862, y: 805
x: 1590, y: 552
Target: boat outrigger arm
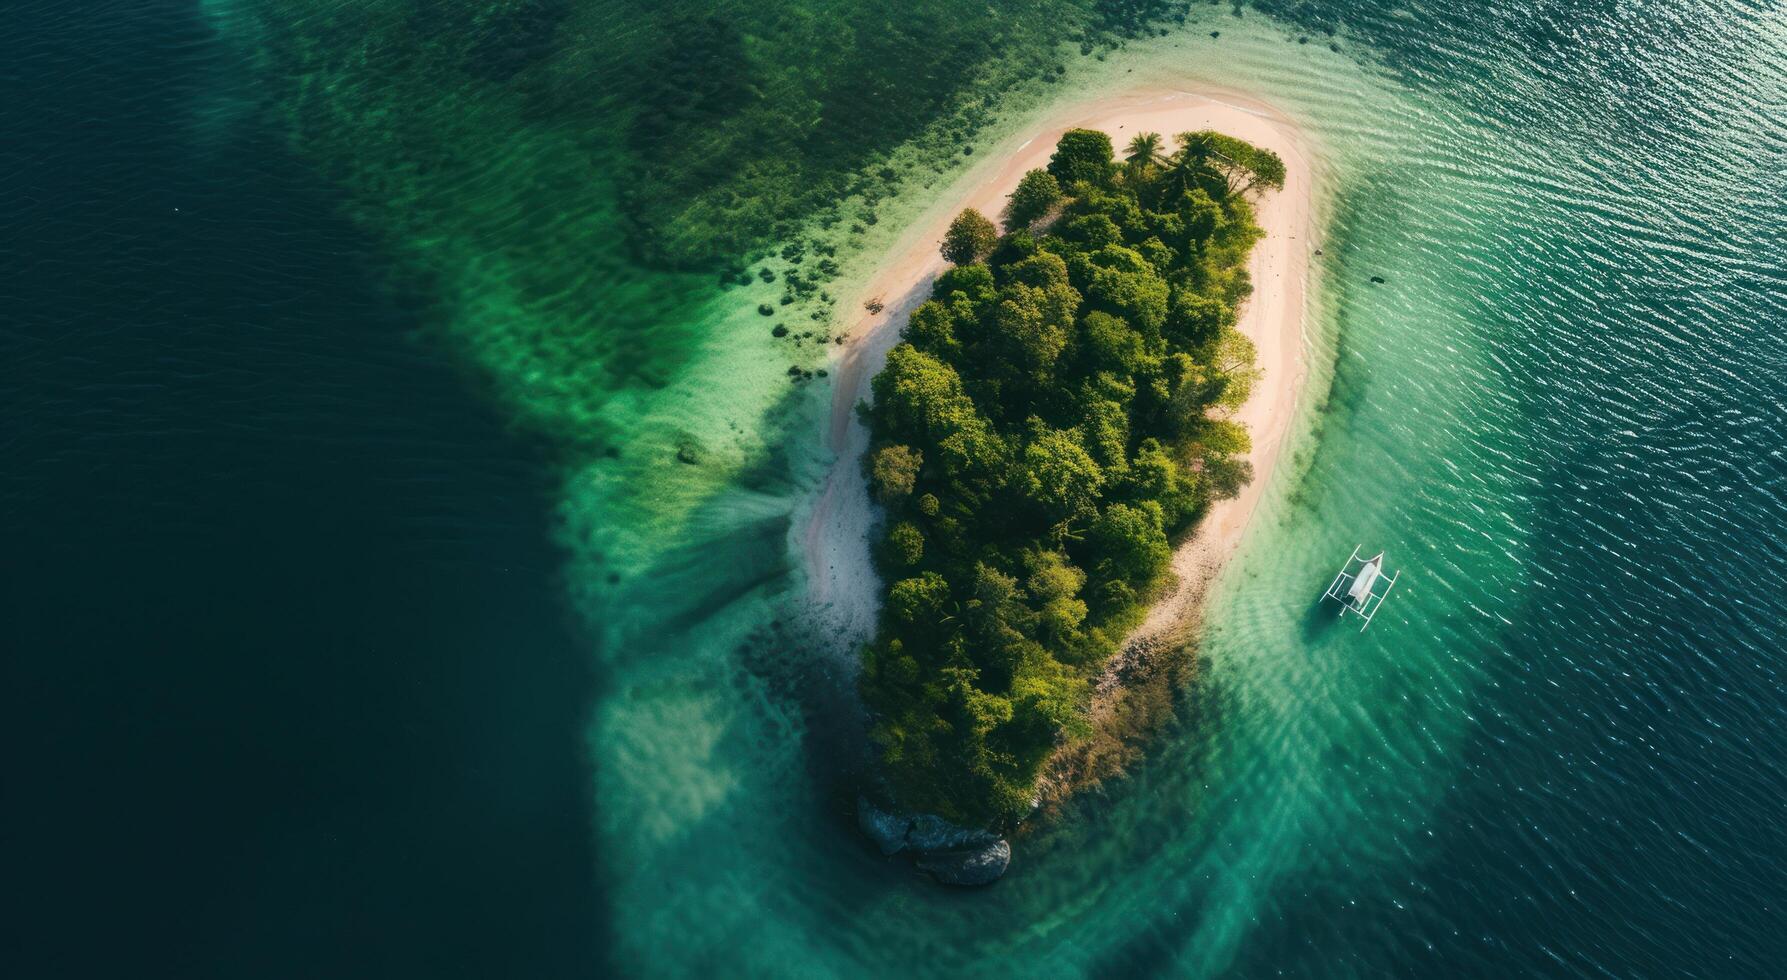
x: 1361, y: 586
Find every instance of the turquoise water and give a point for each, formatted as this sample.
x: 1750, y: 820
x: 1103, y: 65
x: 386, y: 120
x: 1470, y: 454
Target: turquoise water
x: 1528, y: 763
x: 1544, y: 757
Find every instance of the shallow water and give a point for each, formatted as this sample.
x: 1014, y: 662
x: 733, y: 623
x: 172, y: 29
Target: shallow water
x: 1545, y: 756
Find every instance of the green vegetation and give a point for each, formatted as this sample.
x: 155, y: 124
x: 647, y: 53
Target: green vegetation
x: 1036, y: 195
x: 712, y: 127
x: 1082, y: 154
x: 744, y: 116
x: 969, y: 237
x: 1055, y: 416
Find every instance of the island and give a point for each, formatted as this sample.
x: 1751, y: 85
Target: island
x: 1062, y: 404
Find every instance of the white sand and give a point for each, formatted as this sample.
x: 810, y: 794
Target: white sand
x: 842, y: 583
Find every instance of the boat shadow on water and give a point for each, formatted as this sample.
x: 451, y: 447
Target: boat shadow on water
x: 1320, y: 618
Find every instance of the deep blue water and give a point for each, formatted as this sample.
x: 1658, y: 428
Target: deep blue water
x: 288, y: 685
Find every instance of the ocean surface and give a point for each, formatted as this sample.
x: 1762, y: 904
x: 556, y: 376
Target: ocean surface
x: 401, y: 518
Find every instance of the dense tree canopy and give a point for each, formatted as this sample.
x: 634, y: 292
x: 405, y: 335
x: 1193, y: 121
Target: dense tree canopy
x: 1056, y: 414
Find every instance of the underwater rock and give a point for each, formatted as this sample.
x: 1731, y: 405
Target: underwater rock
x: 978, y: 866
x: 887, y: 830
x: 952, y: 854
x: 931, y: 833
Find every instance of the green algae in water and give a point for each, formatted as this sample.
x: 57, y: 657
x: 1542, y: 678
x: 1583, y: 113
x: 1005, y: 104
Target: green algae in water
x: 498, y: 152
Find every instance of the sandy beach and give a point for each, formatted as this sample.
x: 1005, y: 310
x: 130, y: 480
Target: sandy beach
x: 842, y: 582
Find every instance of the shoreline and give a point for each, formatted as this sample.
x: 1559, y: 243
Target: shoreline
x: 843, y: 588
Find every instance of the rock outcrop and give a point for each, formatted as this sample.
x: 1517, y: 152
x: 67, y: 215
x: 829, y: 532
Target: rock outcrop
x: 887, y: 830
x: 976, y: 866
x: 953, y: 855
x: 929, y: 833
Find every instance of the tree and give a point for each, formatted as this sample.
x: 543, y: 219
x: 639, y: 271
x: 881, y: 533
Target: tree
x: 1043, y: 270
x: 1143, y: 151
x: 1224, y: 445
x: 969, y: 237
x: 1154, y: 475
x: 905, y: 545
x: 1036, y: 195
x: 1190, y: 389
x: 1112, y: 344
x: 931, y: 329
x: 1058, y: 476
x: 995, y: 612
x: 1124, y: 211
x: 1093, y: 231
x: 970, y: 283
x: 1107, y: 435
x: 1159, y: 254
x: 918, y: 398
x: 1233, y: 354
x: 1189, y: 167
x: 974, y: 460
x: 893, y: 473
x: 1052, y: 576
x: 1082, y: 154
x: 1242, y: 165
x: 1201, y: 216
x: 1194, y: 319
x: 1119, y: 281
x: 921, y: 602
x: 1130, y: 544
x: 1033, y: 326
x: 1017, y: 244
x: 1222, y: 437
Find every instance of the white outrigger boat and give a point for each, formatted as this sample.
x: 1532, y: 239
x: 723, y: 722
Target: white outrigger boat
x: 1361, y: 586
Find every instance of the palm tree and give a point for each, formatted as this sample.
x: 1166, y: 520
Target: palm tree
x: 1143, y: 150
x: 1189, y: 167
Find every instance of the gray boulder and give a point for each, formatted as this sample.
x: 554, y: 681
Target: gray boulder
x: 933, y: 833
x: 952, y: 854
x: 974, y: 866
x: 887, y: 830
